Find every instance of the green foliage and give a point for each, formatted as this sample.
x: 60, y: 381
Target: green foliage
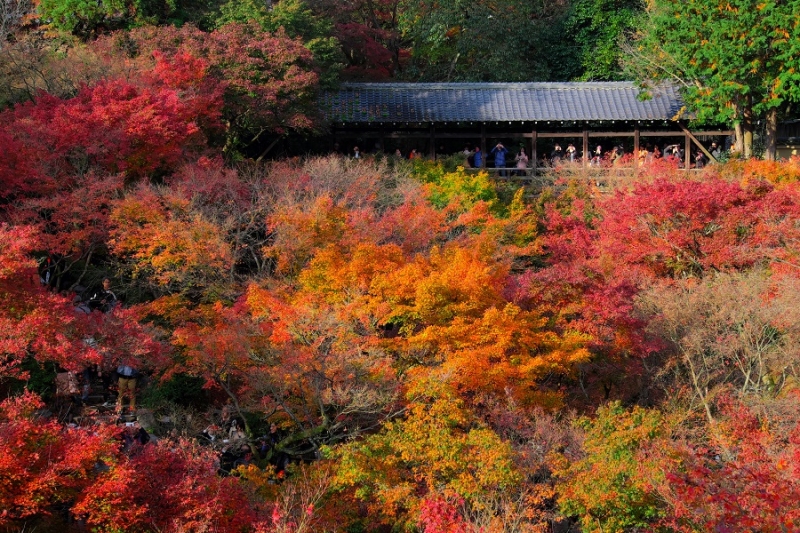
x: 462, y: 187
x: 476, y: 40
x: 41, y: 378
x: 611, y: 489
x: 737, y: 61
x: 87, y: 19
x: 83, y: 17
x: 593, y: 30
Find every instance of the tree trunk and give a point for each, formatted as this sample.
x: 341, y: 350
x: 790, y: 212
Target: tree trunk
x: 738, y: 130
x: 747, y: 126
x: 738, y: 144
x: 748, y: 143
x: 772, y: 135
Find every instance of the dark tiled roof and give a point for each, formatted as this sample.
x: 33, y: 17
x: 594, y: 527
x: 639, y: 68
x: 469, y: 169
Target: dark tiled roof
x: 483, y: 102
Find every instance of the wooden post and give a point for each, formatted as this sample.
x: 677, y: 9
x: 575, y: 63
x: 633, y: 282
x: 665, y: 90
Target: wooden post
x: 636, y: 150
x: 687, y: 164
x: 483, y: 145
x: 585, y: 147
x: 534, y: 138
x: 432, y: 150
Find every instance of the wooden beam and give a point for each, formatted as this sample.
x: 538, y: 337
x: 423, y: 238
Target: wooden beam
x: 534, y: 155
x: 713, y: 133
x: 636, y: 151
x: 698, y: 143
x: 432, y: 149
x: 557, y: 135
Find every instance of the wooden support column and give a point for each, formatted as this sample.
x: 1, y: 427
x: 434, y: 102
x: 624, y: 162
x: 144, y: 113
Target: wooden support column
x: 585, y: 147
x: 432, y: 150
x: 483, y: 145
x: 534, y: 155
x: 687, y: 163
x: 636, y: 150
x: 696, y: 141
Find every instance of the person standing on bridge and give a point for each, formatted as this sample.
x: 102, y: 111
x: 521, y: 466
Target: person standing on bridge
x: 499, y: 153
x: 477, y: 157
x: 522, y: 162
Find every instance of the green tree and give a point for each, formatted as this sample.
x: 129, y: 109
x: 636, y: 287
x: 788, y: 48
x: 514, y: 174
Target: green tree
x: 87, y: 19
x: 477, y: 40
x: 737, y: 61
x: 592, y: 31
x: 84, y: 17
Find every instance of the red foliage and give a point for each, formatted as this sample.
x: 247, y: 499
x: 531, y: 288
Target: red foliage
x: 369, y: 58
x: 438, y: 515
x: 601, y: 255
x: 672, y: 227
x: 748, y: 480
x: 43, y: 464
x: 267, y: 80
x: 32, y: 320
x: 167, y: 489
x: 119, y: 126
x: 18, y: 172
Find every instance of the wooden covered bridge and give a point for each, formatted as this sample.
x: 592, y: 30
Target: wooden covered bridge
x: 436, y: 117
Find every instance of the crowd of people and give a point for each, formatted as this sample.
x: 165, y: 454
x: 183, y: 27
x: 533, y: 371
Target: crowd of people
x: 500, y: 157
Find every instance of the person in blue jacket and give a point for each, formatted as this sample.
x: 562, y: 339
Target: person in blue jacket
x: 477, y: 157
x: 499, y: 153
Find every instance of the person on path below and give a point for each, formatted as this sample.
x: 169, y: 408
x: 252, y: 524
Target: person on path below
x: 126, y: 387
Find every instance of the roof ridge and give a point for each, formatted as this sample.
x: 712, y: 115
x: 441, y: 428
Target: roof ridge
x: 488, y: 85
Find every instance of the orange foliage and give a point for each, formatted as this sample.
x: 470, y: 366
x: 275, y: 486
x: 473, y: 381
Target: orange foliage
x: 166, y: 241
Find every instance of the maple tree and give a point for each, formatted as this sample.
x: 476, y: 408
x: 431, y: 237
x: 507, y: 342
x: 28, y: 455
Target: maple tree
x: 420, y: 458
x: 35, y: 321
x: 744, y: 478
x: 160, y: 488
x: 298, y: 21
x: 369, y: 35
x: 116, y: 126
x: 268, y: 82
x: 167, y: 245
x: 44, y: 464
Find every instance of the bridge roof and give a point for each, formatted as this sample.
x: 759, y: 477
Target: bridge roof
x: 510, y: 102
